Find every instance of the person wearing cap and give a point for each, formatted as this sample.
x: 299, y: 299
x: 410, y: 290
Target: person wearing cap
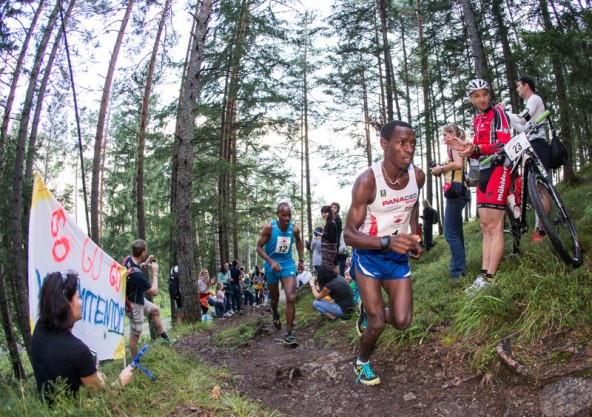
x: 315, y: 248
x: 492, y: 130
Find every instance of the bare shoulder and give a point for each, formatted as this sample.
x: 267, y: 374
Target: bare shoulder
x: 364, y: 188
x: 420, y: 176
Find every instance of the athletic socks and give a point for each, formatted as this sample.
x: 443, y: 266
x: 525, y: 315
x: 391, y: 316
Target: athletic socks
x: 164, y: 335
x: 360, y: 363
x: 489, y: 277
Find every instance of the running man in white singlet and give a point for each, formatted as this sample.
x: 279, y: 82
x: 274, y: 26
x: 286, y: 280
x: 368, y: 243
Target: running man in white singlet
x: 381, y: 226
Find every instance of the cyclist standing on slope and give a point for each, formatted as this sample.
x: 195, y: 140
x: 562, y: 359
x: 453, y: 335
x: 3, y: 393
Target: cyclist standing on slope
x: 535, y: 106
x: 492, y: 131
x: 384, y: 207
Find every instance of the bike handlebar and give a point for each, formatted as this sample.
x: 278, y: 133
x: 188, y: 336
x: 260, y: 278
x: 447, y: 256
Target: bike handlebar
x: 538, y: 120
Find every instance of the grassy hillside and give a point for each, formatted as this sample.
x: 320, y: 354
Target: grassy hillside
x: 536, y: 297
x: 535, y: 294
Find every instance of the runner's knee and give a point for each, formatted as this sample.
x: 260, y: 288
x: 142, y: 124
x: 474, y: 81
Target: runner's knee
x: 376, y: 323
x: 401, y: 323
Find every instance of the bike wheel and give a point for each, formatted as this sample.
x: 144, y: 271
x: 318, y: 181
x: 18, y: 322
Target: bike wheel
x: 512, y: 227
x: 557, y: 224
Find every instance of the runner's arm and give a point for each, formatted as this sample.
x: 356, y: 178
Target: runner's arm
x: 263, y: 239
x: 298, y: 242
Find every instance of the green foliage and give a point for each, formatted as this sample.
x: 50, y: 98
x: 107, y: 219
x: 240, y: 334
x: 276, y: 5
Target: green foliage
x: 184, y: 386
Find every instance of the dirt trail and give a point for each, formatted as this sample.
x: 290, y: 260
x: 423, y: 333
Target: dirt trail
x: 313, y: 380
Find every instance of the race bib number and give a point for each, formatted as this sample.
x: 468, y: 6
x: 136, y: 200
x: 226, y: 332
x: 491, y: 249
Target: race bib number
x: 516, y: 146
x: 282, y: 245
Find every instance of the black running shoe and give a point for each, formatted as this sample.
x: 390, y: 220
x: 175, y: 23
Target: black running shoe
x: 276, y: 322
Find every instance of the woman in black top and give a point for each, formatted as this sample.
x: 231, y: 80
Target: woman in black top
x: 56, y: 352
x: 334, y: 297
x: 329, y: 237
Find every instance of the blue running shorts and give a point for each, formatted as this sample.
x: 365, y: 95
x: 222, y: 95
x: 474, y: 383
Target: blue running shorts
x: 273, y: 277
x: 380, y: 265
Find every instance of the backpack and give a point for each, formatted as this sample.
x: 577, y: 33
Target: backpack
x: 434, y: 216
x: 128, y: 305
x: 174, y: 290
x: 557, y: 153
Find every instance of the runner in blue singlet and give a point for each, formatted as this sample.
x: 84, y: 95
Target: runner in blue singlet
x: 275, y: 247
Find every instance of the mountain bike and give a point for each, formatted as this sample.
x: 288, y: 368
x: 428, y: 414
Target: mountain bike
x: 528, y: 173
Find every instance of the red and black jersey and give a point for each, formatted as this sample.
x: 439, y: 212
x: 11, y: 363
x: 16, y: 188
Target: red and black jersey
x: 491, y: 128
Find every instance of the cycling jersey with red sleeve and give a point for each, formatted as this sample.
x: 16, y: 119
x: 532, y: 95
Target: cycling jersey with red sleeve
x: 492, y: 131
x: 491, y: 128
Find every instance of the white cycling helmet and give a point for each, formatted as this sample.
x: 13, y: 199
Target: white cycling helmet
x: 477, y: 84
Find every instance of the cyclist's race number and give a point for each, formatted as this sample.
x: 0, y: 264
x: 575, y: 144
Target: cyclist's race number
x: 282, y: 245
x: 516, y: 146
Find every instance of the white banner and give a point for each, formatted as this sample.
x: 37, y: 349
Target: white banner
x: 56, y: 243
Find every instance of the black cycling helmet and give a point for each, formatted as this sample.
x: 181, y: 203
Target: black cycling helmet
x: 477, y: 84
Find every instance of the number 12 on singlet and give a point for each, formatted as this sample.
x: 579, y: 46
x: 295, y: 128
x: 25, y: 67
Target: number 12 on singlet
x: 282, y: 245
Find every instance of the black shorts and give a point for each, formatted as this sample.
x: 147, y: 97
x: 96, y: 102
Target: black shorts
x: 541, y: 148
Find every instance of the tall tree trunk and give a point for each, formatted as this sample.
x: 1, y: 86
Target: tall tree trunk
x: 406, y: 71
x: 175, y: 169
x: 561, y: 89
x: 511, y: 71
x: 143, y: 123
x: 38, y: 109
x: 388, y: 62
x: 94, y: 192
x: 306, y: 139
x: 366, y: 119
x: 7, y: 326
x: 14, y: 83
x: 475, y: 39
x: 187, y: 112
x: 227, y: 180
x: 141, y: 218
x: 426, y: 98
x: 382, y: 105
x: 18, y: 257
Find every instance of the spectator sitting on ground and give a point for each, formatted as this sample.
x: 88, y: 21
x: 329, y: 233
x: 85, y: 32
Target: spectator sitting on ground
x: 335, y: 286
x: 204, y: 282
x: 353, y: 285
x: 55, y: 352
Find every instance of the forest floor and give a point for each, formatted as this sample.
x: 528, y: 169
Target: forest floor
x: 317, y: 378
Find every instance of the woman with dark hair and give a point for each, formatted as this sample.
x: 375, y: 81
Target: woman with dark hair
x: 330, y: 285
x: 329, y: 237
x: 56, y: 352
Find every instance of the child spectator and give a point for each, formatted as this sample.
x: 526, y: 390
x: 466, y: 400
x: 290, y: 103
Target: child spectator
x: 219, y: 304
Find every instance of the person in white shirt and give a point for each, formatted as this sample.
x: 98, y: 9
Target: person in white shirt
x: 304, y: 275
